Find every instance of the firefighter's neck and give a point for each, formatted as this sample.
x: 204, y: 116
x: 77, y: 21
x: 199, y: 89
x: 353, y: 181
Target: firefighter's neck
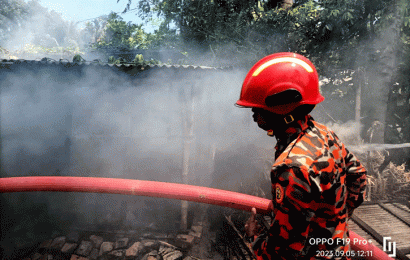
x: 280, y: 126
x: 283, y: 129
x: 277, y: 134
x: 288, y: 131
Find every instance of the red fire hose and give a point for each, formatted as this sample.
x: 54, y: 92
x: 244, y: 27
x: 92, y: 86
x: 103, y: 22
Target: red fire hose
x: 163, y: 190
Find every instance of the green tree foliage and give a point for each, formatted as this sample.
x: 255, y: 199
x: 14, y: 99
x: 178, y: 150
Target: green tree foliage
x: 252, y: 29
x: 122, y: 36
x: 12, y: 15
x: 119, y: 40
x: 50, y: 30
x: 27, y: 28
x: 338, y: 35
x: 164, y: 37
x: 398, y: 127
x: 94, y: 30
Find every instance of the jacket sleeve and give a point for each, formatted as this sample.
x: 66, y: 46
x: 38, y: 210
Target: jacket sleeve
x: 355, y: 182
x: 294, y: 209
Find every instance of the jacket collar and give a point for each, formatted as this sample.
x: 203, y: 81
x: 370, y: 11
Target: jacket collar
x: 291, y: 133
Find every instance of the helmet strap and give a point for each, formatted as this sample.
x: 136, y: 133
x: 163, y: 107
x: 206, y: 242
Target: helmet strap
x: 298, y: 113
x: 289, y: 119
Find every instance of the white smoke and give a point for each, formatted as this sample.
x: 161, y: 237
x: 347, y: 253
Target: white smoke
x: 348, y: 132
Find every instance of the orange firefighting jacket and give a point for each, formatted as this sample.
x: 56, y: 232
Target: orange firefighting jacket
x: 316, y: 185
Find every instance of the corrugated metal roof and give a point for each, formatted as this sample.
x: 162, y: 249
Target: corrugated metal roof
x: 47, y: 61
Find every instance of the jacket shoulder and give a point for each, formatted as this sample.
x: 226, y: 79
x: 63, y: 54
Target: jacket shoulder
x: 311, y: 147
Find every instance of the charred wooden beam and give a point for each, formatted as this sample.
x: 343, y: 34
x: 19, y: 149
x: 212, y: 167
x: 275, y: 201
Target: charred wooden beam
x: 246, y: 246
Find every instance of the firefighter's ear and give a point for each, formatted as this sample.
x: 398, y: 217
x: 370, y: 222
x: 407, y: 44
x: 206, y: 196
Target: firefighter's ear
x: 284, y: 97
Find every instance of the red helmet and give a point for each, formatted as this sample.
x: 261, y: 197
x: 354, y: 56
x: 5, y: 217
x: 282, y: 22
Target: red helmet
x: 280, y: 83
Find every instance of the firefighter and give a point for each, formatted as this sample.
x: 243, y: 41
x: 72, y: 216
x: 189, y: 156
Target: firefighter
x: 316, y: 181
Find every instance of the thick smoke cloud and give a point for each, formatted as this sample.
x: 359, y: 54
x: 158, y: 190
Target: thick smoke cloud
x: 39, y: 32
x: 109, y: 120
x: 98, y: 123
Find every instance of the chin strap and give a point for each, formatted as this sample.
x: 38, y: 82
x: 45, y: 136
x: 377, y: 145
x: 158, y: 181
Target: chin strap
x: 289, y: 119
x: 297, y: 113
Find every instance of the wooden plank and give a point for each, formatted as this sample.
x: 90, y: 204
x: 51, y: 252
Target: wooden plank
x: 403, y: 202
x: 402, y: 207
x: 378, y: 237
x: 381, y: 220
x: 398, y: 213
x: 361, y: 232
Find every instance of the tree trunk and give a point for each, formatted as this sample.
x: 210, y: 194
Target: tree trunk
x: 359, y: 81
x: 380, y: 74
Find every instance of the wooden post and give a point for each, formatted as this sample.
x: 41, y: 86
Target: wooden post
x: 187, y: 124
x: 185, y: 171
x: 369, y: 190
